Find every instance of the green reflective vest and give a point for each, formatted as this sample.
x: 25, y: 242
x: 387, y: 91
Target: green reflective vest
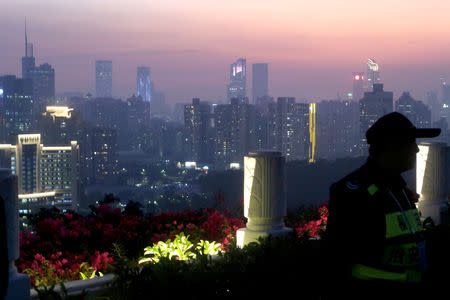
x: 401, y: 251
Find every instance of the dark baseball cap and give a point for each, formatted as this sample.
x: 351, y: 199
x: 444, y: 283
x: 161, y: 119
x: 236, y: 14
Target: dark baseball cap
x: 396, y: 127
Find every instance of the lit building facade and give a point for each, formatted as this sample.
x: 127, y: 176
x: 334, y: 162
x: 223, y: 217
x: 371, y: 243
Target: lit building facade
x: 238, y: 79
x: 289, y: 128
x: 98, y: 155
x: 372, y: 74
x: 17, y: 107
x: 46, y: 175
x: 373, y: 106
x: 144, y: 83
x: 103, y: 78
x: 260, y: 81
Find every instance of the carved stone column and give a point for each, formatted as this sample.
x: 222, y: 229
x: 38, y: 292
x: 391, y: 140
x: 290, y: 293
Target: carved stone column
x: 432, y: 180
x: 264, y: 197
x: 18, y: 284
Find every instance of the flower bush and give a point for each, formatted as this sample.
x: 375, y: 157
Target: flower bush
x: 58, y: 247
x: 310, y: 223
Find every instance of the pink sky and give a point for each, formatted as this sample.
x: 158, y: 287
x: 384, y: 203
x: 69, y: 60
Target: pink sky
x: 312, y: 47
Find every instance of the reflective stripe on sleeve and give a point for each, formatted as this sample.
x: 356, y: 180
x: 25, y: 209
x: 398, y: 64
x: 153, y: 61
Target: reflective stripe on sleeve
x: 363, y: 272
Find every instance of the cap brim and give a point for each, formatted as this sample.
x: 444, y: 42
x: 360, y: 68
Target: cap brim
x: 426, y: 132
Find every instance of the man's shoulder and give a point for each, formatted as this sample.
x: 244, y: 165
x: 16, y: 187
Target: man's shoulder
x: 354, y: 182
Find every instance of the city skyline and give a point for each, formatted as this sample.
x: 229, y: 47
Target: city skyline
x: 294, y: 42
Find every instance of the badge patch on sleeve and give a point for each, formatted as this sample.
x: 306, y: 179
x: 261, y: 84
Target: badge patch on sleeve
x: 372, y: 189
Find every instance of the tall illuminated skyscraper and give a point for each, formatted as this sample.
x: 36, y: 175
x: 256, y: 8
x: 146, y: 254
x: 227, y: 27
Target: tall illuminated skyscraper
x: 28, y: 61
x: 103, y: 78
x: 144, y: 83
x: 260, y: 81
x: 358, y: 86
x: 238, y: 79
x: 372, y: 74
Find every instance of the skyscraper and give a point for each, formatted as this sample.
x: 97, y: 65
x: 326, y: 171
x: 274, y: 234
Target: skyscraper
x: 260, y: 81
x: 238, y: 78
x: 337, y: 129
x: 289, y: 128
x: 28, y: 61
x: 16, y: 107
x: 416, y: 111
x: 46, y: 175
x: 372, y: 74
x: 373, y: 106
x: 358, y: 86
x: 144, y: 83
x: 103, y: 78
x: 43, y: 78
x: 198, y: 126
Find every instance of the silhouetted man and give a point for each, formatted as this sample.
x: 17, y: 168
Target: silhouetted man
x: 374, y: 229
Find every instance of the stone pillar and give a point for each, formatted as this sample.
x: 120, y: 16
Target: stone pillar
x: 264, y: 197
x: 18, y: 284
x: 432, y: 180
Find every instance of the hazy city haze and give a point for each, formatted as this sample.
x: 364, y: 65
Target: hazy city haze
x: 311, y: 48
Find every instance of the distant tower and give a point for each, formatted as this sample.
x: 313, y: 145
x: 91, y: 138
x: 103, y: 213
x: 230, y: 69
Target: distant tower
x: 260, y: 81
x: 373, y: 106
x: 103, y: 78
x: 238, y: 78
x: 28, y: 61
x: 144, y: 83
x: 372, y: 74
x: 358, y: 86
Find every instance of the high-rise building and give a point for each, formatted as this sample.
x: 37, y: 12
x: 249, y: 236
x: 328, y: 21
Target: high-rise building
x: 373, y: 106
x: 372, y: 74
x: 60, y: 125
x: 43, y: 78
x: 144, y: 83
x: 337, y: 129
x: 158, y: 104
x: 444, y: 111
x: 109, y: 113
x: 28, y: 61
x: 138, y: 113
x: 233, y: 123
x: 17, y: 107
x: 98, y: 155
x: 103, y: 78
x: 46, y: 175
x: 199, y: 129
x: 260, y: 81
x: 416, y: 111
x: 289, y: 128
x: 238, y: 78
x: 434, y: 105
x: 358, y: 86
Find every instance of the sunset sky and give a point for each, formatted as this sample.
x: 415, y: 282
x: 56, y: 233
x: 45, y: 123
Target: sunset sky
x: 312, y: 47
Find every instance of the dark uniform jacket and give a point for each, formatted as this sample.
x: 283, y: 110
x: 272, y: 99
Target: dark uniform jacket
x: 356, y: 230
